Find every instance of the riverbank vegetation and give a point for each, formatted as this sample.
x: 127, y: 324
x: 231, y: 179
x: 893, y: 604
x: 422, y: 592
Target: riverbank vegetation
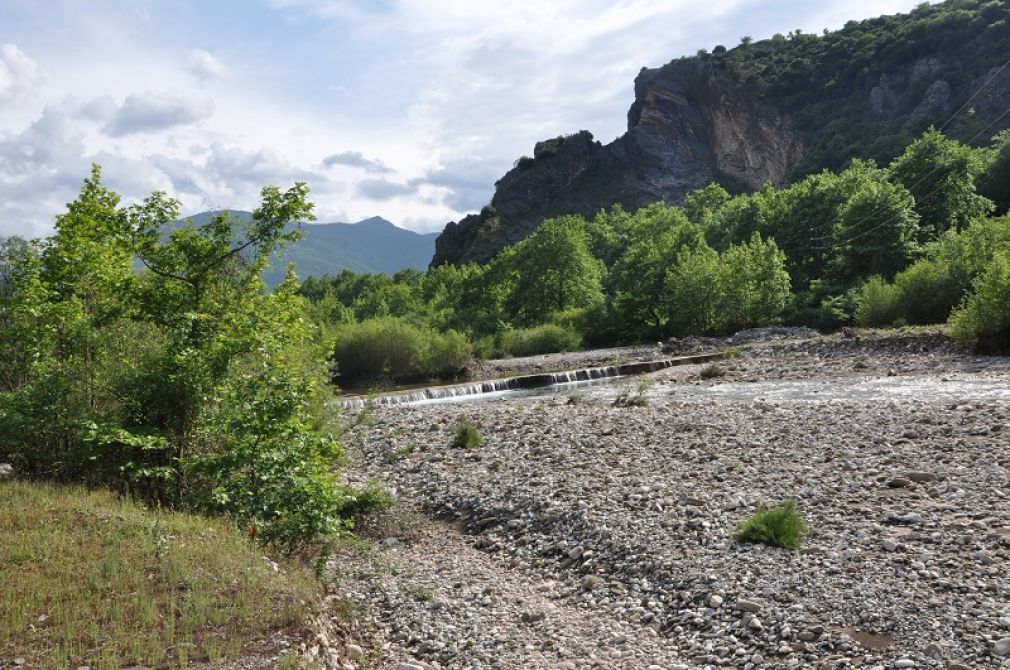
x: 909, y: 243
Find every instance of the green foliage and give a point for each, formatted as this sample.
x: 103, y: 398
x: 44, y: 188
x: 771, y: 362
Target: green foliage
x: 552, y: 270
x: 546, y: 339
x: 879, y: 303
x: 747, y: 285
x: 185, y: 384
x: 928, y: 291
x: 875, y: 233
x: 940, y: 173
x: 983, y: 319
x: 780, y: 526
x: 994, y: 181
x: 465, y: 434
x: 392, y: 348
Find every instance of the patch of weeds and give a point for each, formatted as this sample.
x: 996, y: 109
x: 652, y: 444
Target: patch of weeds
x: 712, y: 371
x: 636, y: 399
x: 420, y: 593
x: 780, y: 526
x: 363, y: 502
x: 366, y: 415
x: 394, y: 455
x: 465, y: 434
x: 732, y: 352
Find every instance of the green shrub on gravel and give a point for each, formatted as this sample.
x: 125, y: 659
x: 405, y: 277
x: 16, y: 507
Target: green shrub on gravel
x: 391, y: 348
x: 465, y: 434
x: 546, y: 339
x: 712, y: 371
x: 879, y: 303
x: 780, y: 526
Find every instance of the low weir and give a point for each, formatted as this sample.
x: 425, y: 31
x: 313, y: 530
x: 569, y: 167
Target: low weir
x: 523, y: 382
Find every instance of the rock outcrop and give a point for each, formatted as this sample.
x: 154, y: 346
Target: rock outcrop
x: 761, y: 113
x: 687, y: 127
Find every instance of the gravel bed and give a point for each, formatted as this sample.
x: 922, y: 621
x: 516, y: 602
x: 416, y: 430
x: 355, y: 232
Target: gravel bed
x: 616, y: 524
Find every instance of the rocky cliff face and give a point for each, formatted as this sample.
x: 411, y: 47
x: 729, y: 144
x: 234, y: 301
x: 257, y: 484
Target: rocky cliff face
x: 765, y: 112
x: 687, y: 127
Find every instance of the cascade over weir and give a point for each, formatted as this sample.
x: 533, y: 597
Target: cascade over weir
x: 523, y: 382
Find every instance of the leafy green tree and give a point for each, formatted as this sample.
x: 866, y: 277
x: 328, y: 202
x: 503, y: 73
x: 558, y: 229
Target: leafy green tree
x: 994, y: 181
x: 638, y: 279
x: 940, y: 173
x: 876, y: 233
x: 694, y: 293
x: 755, y: 286
x: 187, y: 383
x: 554, y: 271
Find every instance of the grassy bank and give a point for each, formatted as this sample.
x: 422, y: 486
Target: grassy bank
x: 88, y: 579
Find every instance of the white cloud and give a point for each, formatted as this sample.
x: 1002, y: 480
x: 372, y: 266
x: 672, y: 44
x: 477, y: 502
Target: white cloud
x: 205, y: 66
x: 437, y: 97
x: 355, y: 159
x: 19, y: 73
x: 151, y: 112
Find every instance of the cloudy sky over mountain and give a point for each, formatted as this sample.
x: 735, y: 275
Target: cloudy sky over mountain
x: 408, y: 109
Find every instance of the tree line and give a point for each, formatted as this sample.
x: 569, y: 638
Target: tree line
x: 917, y: 234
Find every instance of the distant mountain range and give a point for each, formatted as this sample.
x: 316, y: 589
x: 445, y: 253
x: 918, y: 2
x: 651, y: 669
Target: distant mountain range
x: 370, y: 245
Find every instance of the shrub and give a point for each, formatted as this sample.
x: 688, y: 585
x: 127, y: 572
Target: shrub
x: 928, y: 292
x: 983, y: 319
x: 879, y: 303
x: 465, y: 434
x: 712, y: 371
x: 545, y: 339
x: 391, y: 348
x: 447, y: 354
x: 780, y: 526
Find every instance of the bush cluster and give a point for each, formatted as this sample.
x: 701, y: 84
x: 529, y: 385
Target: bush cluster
x: 186, y: 384
x: 389, y: 348
x: 546, y: 339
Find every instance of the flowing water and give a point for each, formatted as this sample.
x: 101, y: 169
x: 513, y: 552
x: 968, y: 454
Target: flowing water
x: 605, y: 385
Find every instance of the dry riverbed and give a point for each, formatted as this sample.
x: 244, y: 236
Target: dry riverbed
x: 582, y: 535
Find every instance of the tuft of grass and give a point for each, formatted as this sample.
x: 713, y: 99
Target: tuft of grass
x: 419, y: 592
x: 732, y: 352
x: 712, y: 371
x: 364, y: 502
x: 779, y: 526
x: 394, y: 455
x: 91, y: 579
x: 465, y: 434
x: 636, y: 399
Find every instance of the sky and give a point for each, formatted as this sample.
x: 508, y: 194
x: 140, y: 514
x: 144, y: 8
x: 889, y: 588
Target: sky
x: 405, y: 109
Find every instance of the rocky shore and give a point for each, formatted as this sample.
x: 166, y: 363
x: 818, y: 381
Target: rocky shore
x: 584, y: 535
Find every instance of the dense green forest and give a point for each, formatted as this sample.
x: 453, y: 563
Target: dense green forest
x: 824, y: 81
x: 868, y: 245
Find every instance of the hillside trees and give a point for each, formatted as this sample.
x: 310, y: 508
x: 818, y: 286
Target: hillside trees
x: 940, y: 174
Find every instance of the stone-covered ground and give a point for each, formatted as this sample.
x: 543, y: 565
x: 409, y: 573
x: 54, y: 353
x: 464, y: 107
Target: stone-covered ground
x: 582, y: 535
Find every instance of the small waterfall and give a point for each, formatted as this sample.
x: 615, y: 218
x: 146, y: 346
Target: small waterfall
x: 436, y: 393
